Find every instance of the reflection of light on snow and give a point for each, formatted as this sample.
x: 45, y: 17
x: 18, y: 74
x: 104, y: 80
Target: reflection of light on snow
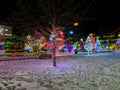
x: 92, y: 55
x: 63, y: 54
x: 100, y: 54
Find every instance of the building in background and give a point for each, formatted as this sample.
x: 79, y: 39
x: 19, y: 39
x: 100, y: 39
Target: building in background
x: 5, y: 33
x: 109, y: 39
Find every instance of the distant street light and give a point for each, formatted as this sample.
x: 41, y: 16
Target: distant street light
x: 75, y: 23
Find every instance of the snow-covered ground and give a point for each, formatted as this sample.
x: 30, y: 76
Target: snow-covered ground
x: 73, y: 72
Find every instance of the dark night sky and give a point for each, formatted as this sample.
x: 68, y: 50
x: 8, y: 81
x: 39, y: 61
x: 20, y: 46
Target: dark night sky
x: 108, y: 16
x: 106, y: 12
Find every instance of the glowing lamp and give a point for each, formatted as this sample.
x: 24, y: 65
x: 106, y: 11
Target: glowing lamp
x: 71, y: 32
x: 76, y: 24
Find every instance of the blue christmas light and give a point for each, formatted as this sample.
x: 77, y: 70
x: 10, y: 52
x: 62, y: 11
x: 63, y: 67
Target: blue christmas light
x: 71, y: 32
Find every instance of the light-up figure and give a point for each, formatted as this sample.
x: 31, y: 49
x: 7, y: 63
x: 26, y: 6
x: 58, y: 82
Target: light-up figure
x: 75, y: 45
x: 69, y: 48
x: 88, y: 45
x: 118, y: 41
x: 93, y: 42
x: 105, y: 45
x: 81, y: 45
x: 117, y: 44
x: 29, y: 44
x: 98, y: 44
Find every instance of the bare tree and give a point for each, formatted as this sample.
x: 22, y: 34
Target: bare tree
x: 27, y: 15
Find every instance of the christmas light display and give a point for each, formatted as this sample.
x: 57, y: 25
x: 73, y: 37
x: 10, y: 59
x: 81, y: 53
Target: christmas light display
x: 118, y: 41
x: 1, y: 42
x: 29, y: 44
x: 117, y: 44
x: 69, y: 48
x: 36, y: 42
x: 81, y: 45
x: 58, y: 35
x: 105, y: 45
x: 14, y: 44
x: 98, y: 45
x: 90, y: 44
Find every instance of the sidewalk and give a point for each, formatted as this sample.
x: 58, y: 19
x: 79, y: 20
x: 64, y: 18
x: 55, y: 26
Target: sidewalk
x: 18, y: 56
x: 25, y: 55
x: 3, y: 58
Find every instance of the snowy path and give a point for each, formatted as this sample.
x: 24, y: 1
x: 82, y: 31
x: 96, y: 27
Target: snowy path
x: 76, y: 72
